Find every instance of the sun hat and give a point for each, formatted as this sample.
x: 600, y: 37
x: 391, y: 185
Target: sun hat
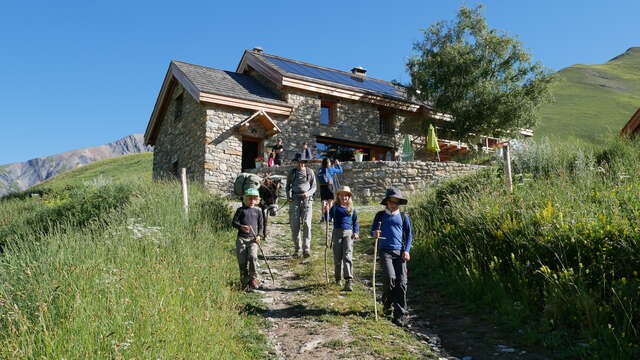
x: 252, y: 192
x: 394, y: 193
x: 344, y: 189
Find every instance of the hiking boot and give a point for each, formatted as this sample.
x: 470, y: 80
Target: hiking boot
x: 306, y: 254
x: 338, y: 282
x: 295, y: 254
x: 387, y: 310
x: 254, y: 284
x: 348, y: 285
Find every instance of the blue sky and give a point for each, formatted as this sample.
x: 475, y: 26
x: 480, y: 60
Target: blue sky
x: 75, y: 74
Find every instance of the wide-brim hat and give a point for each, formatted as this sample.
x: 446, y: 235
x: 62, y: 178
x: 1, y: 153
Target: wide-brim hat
x: 344, y: 189
x: 298, y: 157
x: 252, y: 192
x: 394, y: 193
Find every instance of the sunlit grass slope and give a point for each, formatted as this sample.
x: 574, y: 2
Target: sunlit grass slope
x: 592, y: 102
x: 121, y: 169
x: 115, y: 270
x: 558, y: 258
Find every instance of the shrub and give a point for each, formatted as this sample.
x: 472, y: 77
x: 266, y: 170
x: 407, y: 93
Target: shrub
x: 71, y: 207
x: 560, y: 254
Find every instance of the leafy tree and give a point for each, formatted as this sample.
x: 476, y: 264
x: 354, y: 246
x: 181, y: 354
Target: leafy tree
x: 482, y: 77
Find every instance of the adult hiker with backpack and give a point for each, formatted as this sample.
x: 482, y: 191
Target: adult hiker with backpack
x: 345, y: 231
x: 301, y: 185
x: 393, y: 229
x: 326, y: 180
x: 249, y: 221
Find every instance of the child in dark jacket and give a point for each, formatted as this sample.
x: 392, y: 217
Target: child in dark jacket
x: 345, y: 231
x: 394, y: 229
x: 249, y: 221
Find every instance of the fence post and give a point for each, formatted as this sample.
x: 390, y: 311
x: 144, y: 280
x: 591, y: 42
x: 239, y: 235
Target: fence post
x: 185, y: 195
x: 507, y: 167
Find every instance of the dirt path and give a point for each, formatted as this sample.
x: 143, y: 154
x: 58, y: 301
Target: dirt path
x: 310, y: 319
x: 295, y: 329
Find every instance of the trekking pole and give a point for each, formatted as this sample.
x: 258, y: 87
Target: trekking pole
x: 373, y: 274
x: 326, y: 247
x: 255, y: 238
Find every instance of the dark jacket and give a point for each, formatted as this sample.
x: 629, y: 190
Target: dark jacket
x: 248, y: 216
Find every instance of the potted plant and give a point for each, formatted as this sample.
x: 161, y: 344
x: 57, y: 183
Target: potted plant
x: 259, y: 162
x: 359, y: 154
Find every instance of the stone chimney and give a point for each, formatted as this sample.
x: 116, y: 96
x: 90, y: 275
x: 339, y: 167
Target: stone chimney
x: 257, y: 49
x: 359, y: 71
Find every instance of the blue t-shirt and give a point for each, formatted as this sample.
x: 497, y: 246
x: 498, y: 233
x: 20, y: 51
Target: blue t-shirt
x: 392, y: 231
x: 342, y: 219
x: 329, y: 172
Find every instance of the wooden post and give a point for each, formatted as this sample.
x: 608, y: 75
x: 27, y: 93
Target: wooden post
x: 185, y: 195
x: 507, y: 168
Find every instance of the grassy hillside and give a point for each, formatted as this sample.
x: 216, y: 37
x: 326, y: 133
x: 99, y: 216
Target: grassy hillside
x: 557, y: 259
x: 593, y: 102
x: 104, y: 265
x: 121, y: 169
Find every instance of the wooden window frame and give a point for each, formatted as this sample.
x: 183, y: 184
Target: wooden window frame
x: 332, y: 111
x: 385, y: 121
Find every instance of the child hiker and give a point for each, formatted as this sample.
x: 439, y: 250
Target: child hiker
x: 249, y: 221
x: 394, y: 229
x: 345, y: 230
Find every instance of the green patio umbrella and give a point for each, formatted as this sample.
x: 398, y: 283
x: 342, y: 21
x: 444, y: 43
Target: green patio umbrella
x: 407, y: 149
x: 432, y: 141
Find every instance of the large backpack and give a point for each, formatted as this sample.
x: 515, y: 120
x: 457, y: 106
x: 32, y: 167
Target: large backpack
x: 309, y: 174
x: 324, y: 177
x: 244, y: 181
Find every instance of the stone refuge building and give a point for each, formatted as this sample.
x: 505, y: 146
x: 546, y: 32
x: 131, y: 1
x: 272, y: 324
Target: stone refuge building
x: 215, y: 123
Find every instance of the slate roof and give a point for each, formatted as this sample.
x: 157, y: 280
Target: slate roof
x: 333, y: 77
x: 227, y: 83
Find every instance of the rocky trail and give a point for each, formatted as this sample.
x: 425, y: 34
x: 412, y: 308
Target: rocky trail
x: 310, y: 319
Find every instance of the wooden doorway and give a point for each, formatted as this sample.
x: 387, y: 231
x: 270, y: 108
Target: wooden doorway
x: 251, y: 149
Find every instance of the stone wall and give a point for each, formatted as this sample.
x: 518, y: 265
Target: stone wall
x: 354, y: 121
x: 369, y: 180
x: 223, y: 149
x: 180, y: 140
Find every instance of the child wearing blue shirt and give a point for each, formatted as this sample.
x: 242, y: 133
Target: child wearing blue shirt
x: 345, y: 230
x: 394, y: 229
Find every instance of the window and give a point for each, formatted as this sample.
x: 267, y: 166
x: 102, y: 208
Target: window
x: 344, y: 150
x: 327, y: 113
x: 386, y: 121
x: 178, y: 110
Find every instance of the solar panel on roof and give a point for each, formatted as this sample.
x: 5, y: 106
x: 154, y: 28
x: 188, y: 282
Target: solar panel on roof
x: 378, y: 87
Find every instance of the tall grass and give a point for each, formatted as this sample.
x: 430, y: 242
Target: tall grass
x: 137, y: 280
x: 559, y: 257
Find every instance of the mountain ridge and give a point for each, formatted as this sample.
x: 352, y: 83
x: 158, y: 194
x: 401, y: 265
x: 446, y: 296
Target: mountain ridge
x: 22, y: 175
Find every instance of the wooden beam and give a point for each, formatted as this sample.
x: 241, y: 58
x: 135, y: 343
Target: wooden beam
x: 191, y: 88
x: 156, y: 109
x: 245, y: 104
x: 348, y: 94
x: 631, y: 127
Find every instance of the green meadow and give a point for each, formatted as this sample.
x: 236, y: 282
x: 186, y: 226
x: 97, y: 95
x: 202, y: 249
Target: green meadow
x: 557, y: 259
x: 592, y: 102
x: 96, y: 268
